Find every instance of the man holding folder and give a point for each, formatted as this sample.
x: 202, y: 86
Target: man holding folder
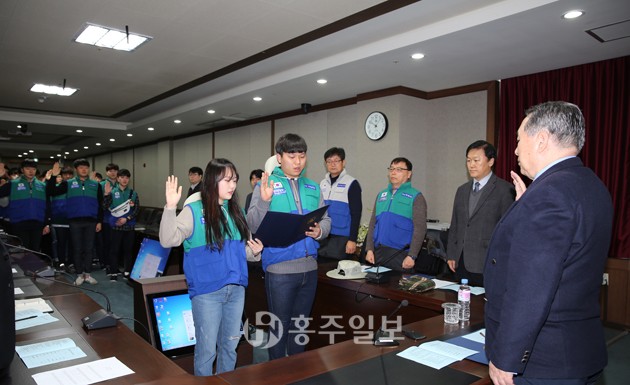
x: 291, y: 271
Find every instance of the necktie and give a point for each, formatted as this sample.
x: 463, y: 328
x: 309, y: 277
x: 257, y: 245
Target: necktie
x: 476, y: 188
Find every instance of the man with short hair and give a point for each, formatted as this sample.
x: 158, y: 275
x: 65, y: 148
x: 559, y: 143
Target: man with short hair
x: 399, y: 221
x: 195, y: 175
x: 478, y: 206
x: 290, y: 272
x: 543, y: 272
x: 254, y: 178
x: 84, y: 210
x: 27, y: 208
x: 342, y: 194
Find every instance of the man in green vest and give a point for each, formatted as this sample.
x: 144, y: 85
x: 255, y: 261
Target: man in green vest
x: 27, y: 210
x: 290, y: 272
x: 399, y: 221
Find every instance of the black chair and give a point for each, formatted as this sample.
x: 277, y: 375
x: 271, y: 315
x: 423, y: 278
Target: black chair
x: 432, y: 257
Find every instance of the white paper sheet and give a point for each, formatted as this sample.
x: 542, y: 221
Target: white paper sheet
x: 49, y: 352
x: 436, y: 354
x: 84, y: 374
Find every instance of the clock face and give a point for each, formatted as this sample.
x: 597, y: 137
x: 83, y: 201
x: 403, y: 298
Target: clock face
x: 376, y: 125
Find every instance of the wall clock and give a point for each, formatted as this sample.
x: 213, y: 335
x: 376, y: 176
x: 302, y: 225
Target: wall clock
x: 376, y: 125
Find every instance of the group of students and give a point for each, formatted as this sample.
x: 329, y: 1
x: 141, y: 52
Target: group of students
x: 74, y: 207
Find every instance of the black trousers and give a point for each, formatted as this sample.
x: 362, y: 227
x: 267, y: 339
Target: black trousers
x: 474, y: 279
x: 30, y: 233
x: 82, y: 233
x: 61, y: 247
x: 121, y: 245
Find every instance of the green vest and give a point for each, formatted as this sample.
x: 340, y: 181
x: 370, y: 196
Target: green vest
x: 394, y: 216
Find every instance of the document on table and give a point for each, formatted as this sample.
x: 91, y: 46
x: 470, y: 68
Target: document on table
x: 440, y: 284
x: 13, y: 270
x: 33, y: 303
x: 475, y: 290
x: 372, y: 269
x: 49, y: 352
x: 84, y: 374
x: 436, y: 354
x: 28, y: 322
x: 17, y: 290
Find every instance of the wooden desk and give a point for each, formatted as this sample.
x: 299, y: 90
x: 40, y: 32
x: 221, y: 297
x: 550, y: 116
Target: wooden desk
x: 147, y: 363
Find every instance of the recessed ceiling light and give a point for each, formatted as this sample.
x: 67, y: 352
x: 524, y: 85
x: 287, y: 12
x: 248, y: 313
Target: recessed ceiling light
x: 67, y: 153
x: 177, y: 121
x: 79, y: 131
x: 573, y: 14
x: 112, y: 140
x: 257, y: 98
x: 31, y: 151
x: 130, y: 134
x: 417, y: 56
x: 25, y: 153
x: 59, y: 155
x: 86, y: 147
x: 107, y: 37
x: 150, y: 128
x: 75, y: 150
x: 53, y: 90
x: 19, y: 126
x: 98, y: 144
x: 52, y: 157
x: 35, y: 160
x: 211, y: 111
x: 322, y: 81
x: 19, y: 155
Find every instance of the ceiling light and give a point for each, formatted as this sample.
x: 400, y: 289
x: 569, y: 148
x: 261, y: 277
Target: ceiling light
x: 322, y: 81
x: 257, y: 98
x: 31, y: 151
x: 25, y: 153
x: 35, y: 160
x: 211, y: 111
x: 573, y: 14
x: 67, y: 153
x: 177, y: 121
x: 79, y: 131
x: 75, y: 150
x: 86, y: 147
x: 112, y: 140
x: 150, y: 128
x: 129, y: 134
x: 19, y: 155
x: 53, y: 90
x: 52, y: 157
x: 98, y: 144
x: 59, y: 155
x: 417, y: 56
x: 110, y: 38
x: 19, y: 126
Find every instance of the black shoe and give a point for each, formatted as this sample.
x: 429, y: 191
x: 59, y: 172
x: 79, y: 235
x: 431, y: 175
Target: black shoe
x: 70, y: 269
x: 113, y: 277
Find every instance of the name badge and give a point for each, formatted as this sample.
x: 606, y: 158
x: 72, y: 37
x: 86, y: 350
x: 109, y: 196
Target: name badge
x: 407, y: 195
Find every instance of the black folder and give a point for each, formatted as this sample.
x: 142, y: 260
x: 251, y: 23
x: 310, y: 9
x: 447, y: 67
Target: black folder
x: 284, y: 229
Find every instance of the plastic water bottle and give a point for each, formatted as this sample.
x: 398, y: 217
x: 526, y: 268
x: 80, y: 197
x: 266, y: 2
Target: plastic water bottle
x: 463, y: 299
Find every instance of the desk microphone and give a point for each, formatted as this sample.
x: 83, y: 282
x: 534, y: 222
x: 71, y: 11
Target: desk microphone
x: 46, y: 271
x: 378, y: 277
x: 99, y: 319
x: 380, y: 338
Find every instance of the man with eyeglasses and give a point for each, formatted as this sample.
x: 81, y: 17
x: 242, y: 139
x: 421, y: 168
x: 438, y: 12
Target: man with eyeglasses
x: 342, y: 194
x: 399, y: 221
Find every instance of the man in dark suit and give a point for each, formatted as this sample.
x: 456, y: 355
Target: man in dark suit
x: 478, y: 206
x: 195, y: 174
x: 546, y: 258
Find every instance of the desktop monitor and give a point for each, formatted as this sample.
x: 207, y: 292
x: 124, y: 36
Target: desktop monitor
x: 172, y: 322
x: 151, y: 260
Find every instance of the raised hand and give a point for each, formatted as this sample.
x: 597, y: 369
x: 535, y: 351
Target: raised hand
x: 173, y: 192
x: 56, y: 170
x: 266, y: 188
x: 108, y: 188
x: 519, y: 185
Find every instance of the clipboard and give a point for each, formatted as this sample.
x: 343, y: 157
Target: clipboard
x: 284, y: 229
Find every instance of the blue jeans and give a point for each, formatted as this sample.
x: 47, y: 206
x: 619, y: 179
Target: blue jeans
x: 288, y: 297
x: 217, y: 318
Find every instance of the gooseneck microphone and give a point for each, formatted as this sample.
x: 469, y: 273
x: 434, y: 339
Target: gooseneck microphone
x: 378, y: 277
x: 46, y: 271
x: 380, y: 337
x: 102, y: 318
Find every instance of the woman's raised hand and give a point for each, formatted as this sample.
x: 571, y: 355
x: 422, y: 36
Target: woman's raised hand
x: 173, y: 192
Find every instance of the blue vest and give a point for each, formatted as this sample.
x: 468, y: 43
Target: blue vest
x: 207, y: 270
x: 394, y: 216
x: 284, y: 202
x: 336, y: 197
x: 119, y: 197
x: 27, y: 201
x: 82, y: 198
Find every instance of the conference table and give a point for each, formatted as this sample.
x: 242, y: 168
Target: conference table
x: 321, y: 363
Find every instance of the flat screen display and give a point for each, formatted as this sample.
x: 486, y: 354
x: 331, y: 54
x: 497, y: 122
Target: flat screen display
x: 151, y: 260
x: 172, y: 322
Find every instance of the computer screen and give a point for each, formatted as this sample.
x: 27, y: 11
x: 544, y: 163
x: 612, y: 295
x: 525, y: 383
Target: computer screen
x: 172, y: 322
x: 151, y: 260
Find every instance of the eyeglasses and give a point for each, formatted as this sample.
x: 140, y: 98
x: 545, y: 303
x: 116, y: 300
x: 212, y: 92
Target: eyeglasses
x: 397, y: 169
x: 331, y: 161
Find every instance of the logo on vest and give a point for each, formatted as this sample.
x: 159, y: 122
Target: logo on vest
x: 310, y: 186
x: 407, y: 195
x: 21, y: 186
x: 383, y: 196
x: 74, y: 184
x: 117, y: 194
x: 278, y: 189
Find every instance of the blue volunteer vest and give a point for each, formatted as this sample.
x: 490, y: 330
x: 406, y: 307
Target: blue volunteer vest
x: 336, y: 197
x: 27, y: 201
x: 207, y: 270
x: 82, y: 198
x: 284, y: 202
x: 394, y: 216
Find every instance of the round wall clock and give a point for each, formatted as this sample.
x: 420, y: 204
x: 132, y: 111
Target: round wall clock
x: 376, y: 125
